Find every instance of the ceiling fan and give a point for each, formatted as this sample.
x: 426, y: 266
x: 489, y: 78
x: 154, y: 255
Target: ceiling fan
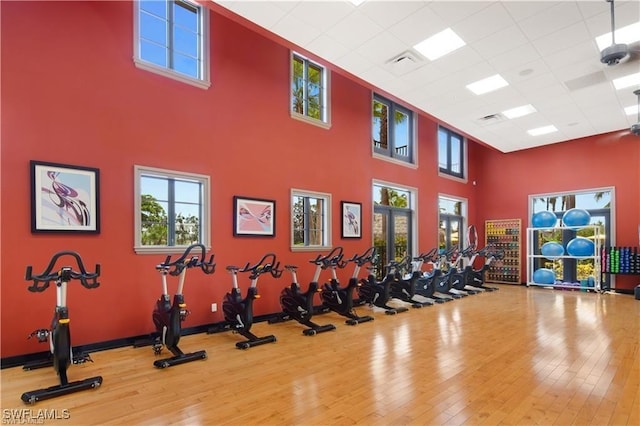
x: 617, y: 52
x: 635, y: 128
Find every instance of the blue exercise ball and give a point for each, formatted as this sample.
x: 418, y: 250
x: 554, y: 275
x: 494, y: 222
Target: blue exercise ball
x: 552, y: 250
x: 576, y: 217
x: 580, y: 246
x: 544, y: 219
x: 544, y: 276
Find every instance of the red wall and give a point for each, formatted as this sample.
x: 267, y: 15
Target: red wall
x: 71, y: 94
x: 609, y: 160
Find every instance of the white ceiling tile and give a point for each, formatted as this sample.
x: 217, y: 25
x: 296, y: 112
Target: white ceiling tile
x: 423, y: 75
x: 382, y: 48
x: 354, y: 63
x: 515, y: 57
x: 295, y: 30
x: 265, y: 14
x: 327, y: 48
x: 500, y: 42
x: 550, y: 20
x: 388, y: 13
x: 418, y: 26
x: 354, y: 29
x: 462, y: 59
x: 520, y: 10
x: 455, y: 11
x: 483, y: 23
x: 321, y: 15
x: 377, y: 76
x: 562, y: 39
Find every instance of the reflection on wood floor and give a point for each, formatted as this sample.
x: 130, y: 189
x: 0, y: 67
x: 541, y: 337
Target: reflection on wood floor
x: 515, y: 356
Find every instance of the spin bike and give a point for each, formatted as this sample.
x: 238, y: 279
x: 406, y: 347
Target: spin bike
x: 426, y: 284
x: 60, y: 334
x: 377, y: 293
x: 340, y: 299
x: 167, y: 316
x: 298, y: 305
x: 403, y: 287
x: 238, y: 311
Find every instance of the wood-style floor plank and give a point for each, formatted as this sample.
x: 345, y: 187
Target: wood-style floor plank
x: 518, y: 356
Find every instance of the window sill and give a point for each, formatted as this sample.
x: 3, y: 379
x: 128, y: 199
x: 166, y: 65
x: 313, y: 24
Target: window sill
x: 202, y: 84
x: 313, y: 121
x: 395, y: 161
x: 310, y: 248
x: 162, y: 249
x: 456, y: 178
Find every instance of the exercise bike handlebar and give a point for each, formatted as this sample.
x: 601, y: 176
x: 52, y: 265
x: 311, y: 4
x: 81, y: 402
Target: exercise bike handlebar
x: 268, y: 264
x: 366, y: 257
x: 208, y: 267
x: 41, y: 281
x: 333, y: 258
x: 429, y: 256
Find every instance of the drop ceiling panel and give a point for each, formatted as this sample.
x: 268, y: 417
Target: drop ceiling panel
x: 321, y: 15
x: 354, y: 29
x: 387, y: 13
x: 484, y: 23
x: 500, y: 42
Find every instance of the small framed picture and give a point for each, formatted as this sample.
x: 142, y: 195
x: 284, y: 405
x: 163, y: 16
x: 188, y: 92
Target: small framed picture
x: 254, y: 216
x: 64, y: 198
x: 351, y: 219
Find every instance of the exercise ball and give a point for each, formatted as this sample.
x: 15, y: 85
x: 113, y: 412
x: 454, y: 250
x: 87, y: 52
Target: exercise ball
x: 544, y: 219
x: 580, y: 246
x: 544, y: 276
x: 576, y: 217
x: 552, y: 250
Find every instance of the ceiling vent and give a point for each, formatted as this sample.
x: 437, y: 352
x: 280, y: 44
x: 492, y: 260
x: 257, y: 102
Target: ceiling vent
x: 404, y: 63
x: 490, y: 119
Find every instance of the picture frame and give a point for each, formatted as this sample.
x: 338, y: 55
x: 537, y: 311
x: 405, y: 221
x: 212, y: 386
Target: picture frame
x: 351, y: 219
x: 64, y: 198
x: 253, y: 217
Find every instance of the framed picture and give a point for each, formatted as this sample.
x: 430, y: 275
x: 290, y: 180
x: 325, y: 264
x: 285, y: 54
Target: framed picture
x: 64, y: 198
x: 254, y: 216
x: 351, y: 219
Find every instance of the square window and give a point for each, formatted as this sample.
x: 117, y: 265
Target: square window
x: 310, y: 219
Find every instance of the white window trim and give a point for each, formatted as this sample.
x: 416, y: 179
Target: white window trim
x: 413, y: 206
x: 464, y: 212
x: 326, y: 76
x: 327, y: 219
x: 138, y: 171
x: 205, y: 81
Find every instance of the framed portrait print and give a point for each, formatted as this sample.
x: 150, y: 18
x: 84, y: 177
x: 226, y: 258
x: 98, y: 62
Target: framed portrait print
x: 253, y: 216
x: 351, y: 219
x: 64, y: 198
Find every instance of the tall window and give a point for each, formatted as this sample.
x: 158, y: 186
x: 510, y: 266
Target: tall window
x: 392, y: 129
x: 172, y: 209
x: 310, y: 219
x: 451, y: 215
x: 392, y: 224
x: 308, y: 89
x: 451, y: 155
x: 171, y: 39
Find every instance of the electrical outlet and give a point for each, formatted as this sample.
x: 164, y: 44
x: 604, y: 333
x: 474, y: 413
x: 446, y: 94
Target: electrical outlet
x: 214, y: 307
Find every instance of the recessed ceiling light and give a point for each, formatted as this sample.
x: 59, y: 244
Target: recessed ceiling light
x: 519, y: 111
x: 439, y: 44
x: 487, y: 85
x: 627, y: 81
x: 626, y: 35
x: 542, y: 130
x: 631, y: 110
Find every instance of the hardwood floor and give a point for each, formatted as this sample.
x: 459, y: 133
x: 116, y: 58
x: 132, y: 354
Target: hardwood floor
x: 517, y: 356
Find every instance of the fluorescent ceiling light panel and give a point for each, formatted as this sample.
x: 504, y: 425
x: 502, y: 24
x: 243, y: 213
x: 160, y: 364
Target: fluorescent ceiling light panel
x: 440, y: 44
x: 520, y: 111
x: 627, y: 81
x: 631, y: 110
x: 542, y: 130
x: 487, y: 85
x: 626, y: 35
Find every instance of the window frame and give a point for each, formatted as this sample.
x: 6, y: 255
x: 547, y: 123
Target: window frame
x: 203, y: 81
x: 325, y: 108
x: 461, y: 219
x: 326, y: 220
x: 391, y: 152
x: 205, y: 220
x: 448, y: 172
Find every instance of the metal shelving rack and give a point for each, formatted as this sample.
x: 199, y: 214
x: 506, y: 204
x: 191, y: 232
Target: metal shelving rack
x: 532, y: 248
x: 504, y: 234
